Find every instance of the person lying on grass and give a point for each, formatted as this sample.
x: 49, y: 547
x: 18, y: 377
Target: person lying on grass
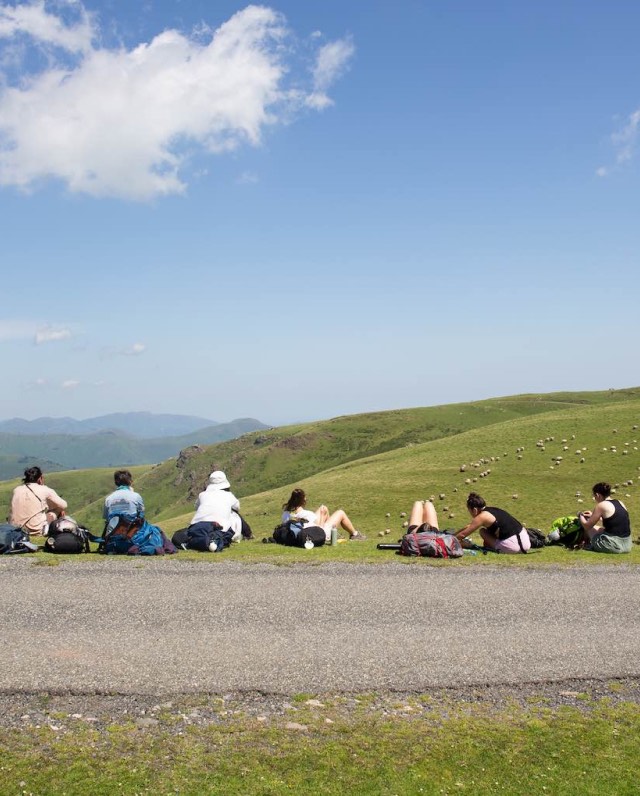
x: 423, y: 514
x: 614, y: 534
x: 498, y: 529
x: 294, y: 509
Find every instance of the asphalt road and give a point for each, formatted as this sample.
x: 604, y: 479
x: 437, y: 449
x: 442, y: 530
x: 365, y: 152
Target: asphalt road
x: 166, y: 626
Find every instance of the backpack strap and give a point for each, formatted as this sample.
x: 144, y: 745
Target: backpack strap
x: 42, y: 510
x: 415, y: 537
x: 520, y: 545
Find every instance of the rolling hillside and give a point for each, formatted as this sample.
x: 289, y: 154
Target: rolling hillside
x: 380, y: 462
x: 602, y: 443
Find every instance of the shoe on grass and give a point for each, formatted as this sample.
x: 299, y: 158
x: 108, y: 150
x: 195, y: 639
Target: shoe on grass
x: 357, y: 537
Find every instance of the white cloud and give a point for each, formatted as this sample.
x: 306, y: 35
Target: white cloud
x: 51, y: 334
x: 33, y: 20
x: 625, y: 141
x: 247, y: 178
x: 70, y: 384
x: 124, y: 122
x: 331, y: 61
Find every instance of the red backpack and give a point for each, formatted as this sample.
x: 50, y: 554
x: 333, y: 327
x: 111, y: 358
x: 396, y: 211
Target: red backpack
x: 430, y: 544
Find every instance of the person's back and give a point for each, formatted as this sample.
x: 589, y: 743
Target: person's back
x: 215, y: 505
x: 123, y: 501
x: 618, y: 522
x: 33, y: 504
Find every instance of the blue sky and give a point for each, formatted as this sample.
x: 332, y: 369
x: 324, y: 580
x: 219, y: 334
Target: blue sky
x: 300, y: 210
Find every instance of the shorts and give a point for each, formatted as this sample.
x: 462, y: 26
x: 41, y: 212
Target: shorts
x: 602, y: 543
x: 420, y: 528
x: 511, y: 545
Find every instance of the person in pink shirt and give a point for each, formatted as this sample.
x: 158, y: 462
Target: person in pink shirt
x: 34, y: 505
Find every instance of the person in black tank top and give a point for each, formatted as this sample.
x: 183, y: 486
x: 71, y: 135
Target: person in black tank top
x: 608, y: 527
x: 499, y: 530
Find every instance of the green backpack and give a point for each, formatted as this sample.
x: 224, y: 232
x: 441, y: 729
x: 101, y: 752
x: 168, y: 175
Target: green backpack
x: 566, y: 531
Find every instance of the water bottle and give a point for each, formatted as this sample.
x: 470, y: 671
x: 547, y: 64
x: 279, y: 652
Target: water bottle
x: 334, y: 536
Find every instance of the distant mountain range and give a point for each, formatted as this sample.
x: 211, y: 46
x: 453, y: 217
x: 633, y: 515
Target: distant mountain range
x: 145, y: 425
x: 118, y: 440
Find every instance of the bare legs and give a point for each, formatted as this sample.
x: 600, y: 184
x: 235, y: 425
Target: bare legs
x: 423, y: 511
x: 338, y: 519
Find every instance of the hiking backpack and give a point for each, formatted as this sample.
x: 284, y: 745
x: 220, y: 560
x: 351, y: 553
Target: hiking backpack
x: 203, y: 536
x: 129, y: 535
x: 64, y: 535
x: 14, y: 540
x: 294, y: 533
x: 430, y: 544
x: 537, y: 538
x: 566, y: 531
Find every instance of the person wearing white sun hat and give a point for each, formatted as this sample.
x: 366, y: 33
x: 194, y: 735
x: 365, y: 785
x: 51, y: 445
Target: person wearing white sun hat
x: 218, y: 504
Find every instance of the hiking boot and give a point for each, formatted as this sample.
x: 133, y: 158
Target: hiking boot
x: 358, y: 537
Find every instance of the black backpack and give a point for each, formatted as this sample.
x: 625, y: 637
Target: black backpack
x: 295, y: 533
x: 66, y: 536
x: 14, y: 540
x: 201, y: 536
x: 537, y: 538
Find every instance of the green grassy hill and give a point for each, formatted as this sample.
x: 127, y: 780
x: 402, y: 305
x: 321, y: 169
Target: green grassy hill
x: 389, y: 483
x: 379, y: 463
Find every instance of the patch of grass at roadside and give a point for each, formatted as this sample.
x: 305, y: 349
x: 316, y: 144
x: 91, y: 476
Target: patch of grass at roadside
x: 420, y: 748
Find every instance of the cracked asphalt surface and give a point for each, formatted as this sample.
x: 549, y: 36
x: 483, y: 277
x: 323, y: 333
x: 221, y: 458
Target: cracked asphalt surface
x: 120, y: 626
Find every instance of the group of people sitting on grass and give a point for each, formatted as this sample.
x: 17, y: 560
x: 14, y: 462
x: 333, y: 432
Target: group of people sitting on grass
x: 607, y: 529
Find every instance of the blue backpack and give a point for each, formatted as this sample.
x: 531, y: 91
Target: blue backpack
x: 14, y: 540
x: 126, y: 535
